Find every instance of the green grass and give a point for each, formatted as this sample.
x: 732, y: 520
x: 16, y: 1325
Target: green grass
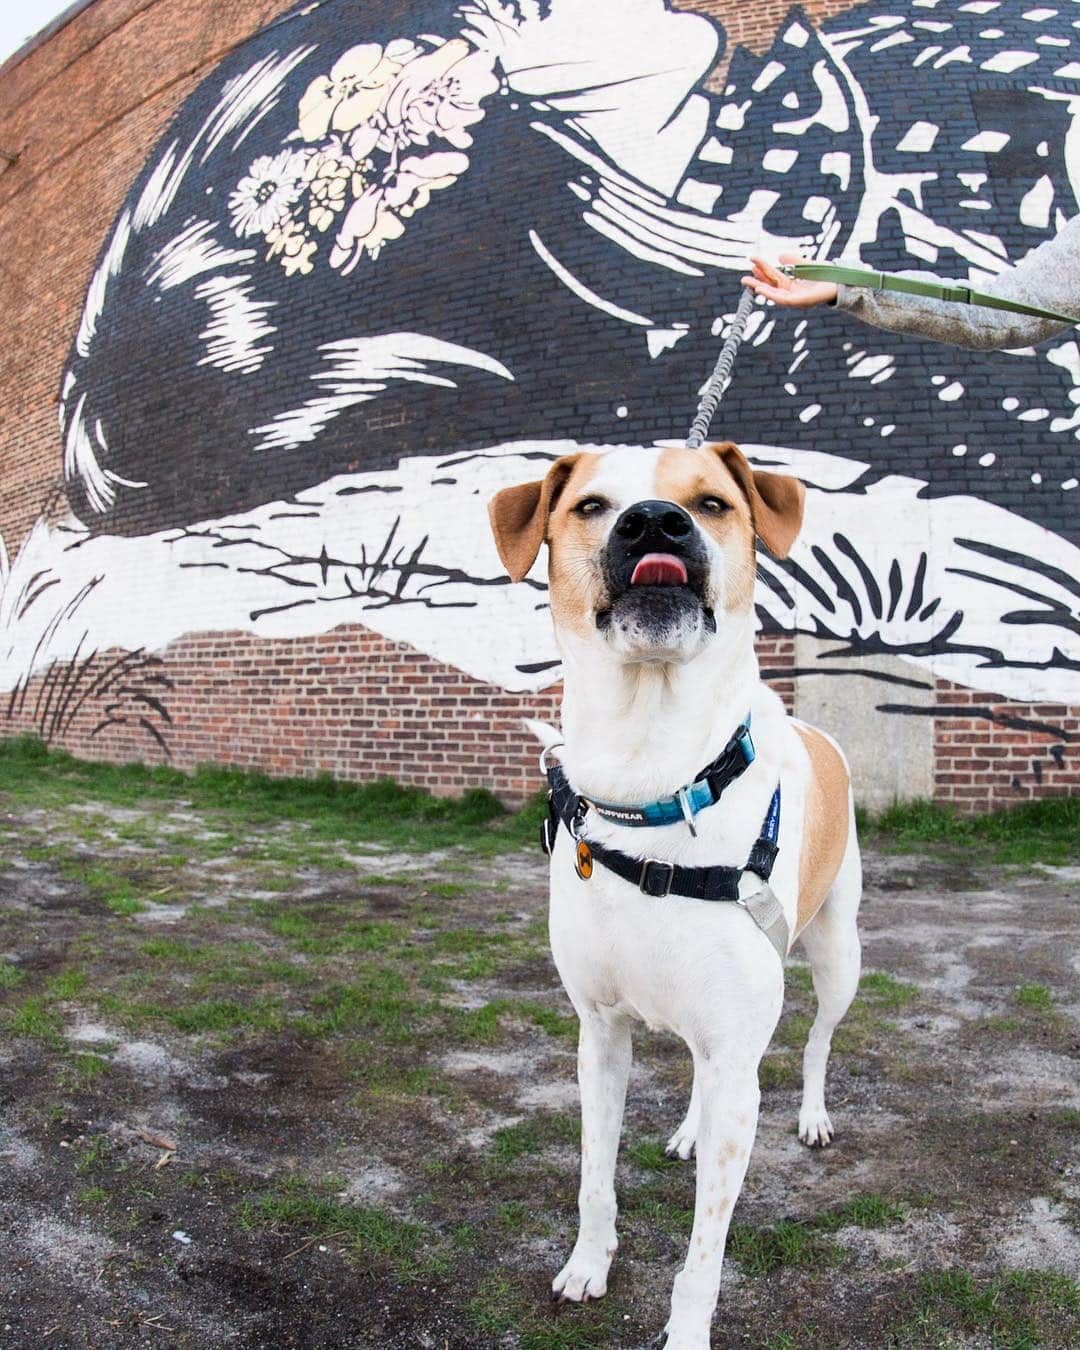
x: 801, y: 1242
x: 326, y: 807
x: 1016, y: 1310
x: 366, y: 1233
x: 10, y: 975
x: 760, y: 1251
x: 649, y: 1154
x: 1035, y: 996
x: 1046, y: 830
x: 35, y: 1020
x: 527, y: 1137
x: 864, y: 1026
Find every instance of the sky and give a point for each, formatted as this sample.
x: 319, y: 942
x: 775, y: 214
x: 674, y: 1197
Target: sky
x: 21, y: 19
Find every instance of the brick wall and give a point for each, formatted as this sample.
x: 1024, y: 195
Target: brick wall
x: 348, y: 703
x: 989, y: 753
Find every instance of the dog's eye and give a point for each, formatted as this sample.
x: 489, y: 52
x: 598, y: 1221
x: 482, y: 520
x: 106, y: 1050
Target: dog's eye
x: 713, y: 505
x: 590, y: 506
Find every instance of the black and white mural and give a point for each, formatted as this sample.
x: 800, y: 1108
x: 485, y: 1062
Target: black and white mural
x: 389, y: 258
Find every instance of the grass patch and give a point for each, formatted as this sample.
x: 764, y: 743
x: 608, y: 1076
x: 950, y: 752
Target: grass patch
x: 802, y: 1242
x: 760, y: 1251
x: 326, y: 808
x: 498, y: 1308
x: 864, y: 1026
x: 1035, y: 996
x: 10, y: 976
x: 1046, y: 830
x: 35, y: 1020
x: 378, y: 1000
x: 650, y: 1155
x: 1018, y: 1309
x: 89, y: 1066
x: 527, y: 1137
x: 366, y: 1233
x: 777, y: 1071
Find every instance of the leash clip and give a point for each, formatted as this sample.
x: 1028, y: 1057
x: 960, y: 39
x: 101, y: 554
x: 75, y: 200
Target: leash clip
x: 547, y: 751
x: 683, y: 799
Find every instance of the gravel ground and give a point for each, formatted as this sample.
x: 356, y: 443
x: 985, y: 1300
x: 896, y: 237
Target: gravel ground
x: 255, y: 1092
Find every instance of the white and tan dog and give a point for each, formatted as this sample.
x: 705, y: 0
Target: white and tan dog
x: 651, y: 566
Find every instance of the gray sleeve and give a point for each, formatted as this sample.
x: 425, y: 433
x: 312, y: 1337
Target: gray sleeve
x: 1049, y: 278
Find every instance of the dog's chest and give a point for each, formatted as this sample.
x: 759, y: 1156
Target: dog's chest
x: 654, y: 959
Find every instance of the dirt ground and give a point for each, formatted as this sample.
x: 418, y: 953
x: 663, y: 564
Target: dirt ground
x: 254, y: 1092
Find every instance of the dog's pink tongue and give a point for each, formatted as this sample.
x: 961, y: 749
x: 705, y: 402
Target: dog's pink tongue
x: 659, y: 569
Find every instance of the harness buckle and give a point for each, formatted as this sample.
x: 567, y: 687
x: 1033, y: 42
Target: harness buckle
x: 547, y: 841
x: 662, y: 885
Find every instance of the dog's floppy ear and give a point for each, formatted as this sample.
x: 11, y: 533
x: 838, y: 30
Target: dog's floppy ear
x: 776, y: 501
x: 519, y: 517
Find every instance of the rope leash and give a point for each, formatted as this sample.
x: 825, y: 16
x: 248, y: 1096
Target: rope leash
x: 721, y: 377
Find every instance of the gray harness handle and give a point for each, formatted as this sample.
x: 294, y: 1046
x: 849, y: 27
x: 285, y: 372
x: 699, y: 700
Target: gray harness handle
x: 721, y: 376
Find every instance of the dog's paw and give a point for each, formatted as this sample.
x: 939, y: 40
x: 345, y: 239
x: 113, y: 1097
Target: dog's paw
x: 672, y: 1338
x: 815, y: 1127
x: 583, y: 1277
x: 681, y: 1144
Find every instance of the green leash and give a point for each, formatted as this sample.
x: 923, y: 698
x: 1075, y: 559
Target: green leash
x: 889, y: 281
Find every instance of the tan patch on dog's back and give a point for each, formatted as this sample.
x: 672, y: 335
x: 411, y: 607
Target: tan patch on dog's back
x: 825, y: 825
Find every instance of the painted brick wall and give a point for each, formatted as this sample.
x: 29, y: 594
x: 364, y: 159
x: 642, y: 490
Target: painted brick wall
x: 348, y: 703
x: 84, y: 110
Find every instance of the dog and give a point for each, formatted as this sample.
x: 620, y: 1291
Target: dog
x: 651, y: 565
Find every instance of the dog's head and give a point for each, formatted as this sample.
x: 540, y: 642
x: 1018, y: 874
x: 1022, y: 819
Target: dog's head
x: 648, y: 549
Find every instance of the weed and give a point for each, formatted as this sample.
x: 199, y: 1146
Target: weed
x: 92, y: 1153
x: 1016, y: 1309
x: 760, y: 1251
x: 35, y: 1020
x: 1035, y: 996
x: 368, y: 1233
x: 1046, y: 830
x: 650, y: 1155
x: 89, y: 1066
x: 10, y: 975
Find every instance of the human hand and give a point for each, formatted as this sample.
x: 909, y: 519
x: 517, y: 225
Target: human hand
x: 785, y: 290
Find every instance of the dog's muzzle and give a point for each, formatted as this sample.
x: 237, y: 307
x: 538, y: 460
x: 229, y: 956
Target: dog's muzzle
x: 655, y: 566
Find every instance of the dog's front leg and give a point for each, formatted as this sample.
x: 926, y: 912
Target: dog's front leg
x: 729, y: 1109
x: 604, y: 1053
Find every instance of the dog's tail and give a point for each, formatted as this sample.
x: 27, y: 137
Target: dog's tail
x: 544, y: 732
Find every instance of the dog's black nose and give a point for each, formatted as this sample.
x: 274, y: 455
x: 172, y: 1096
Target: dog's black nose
x: 653, y: 525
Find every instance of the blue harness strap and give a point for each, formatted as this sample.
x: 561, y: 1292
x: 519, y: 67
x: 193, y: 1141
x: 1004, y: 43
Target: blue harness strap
x: 683, y: 805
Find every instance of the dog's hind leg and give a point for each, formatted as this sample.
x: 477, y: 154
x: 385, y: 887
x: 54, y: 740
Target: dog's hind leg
x: 681, y: 1143
x: 831, y: 941
x: 604, y: 1054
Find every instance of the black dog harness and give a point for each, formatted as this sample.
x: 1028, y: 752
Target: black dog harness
x: 655, y: 877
